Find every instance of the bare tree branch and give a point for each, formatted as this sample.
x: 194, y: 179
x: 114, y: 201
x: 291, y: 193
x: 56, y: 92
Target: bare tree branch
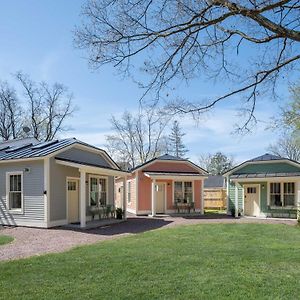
x: 206, y: 39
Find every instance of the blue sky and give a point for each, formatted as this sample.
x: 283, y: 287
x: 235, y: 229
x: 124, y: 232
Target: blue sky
x: 37, y: 38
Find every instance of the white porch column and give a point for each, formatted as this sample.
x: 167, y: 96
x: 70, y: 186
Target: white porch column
x: 227, y: 195
x: 153, y: 198
x: 202, y: 197
x: 236, y: 201
x: 82, y: 199
x: 125, y: 198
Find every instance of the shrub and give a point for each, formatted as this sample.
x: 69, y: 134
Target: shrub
x: 119, y: 213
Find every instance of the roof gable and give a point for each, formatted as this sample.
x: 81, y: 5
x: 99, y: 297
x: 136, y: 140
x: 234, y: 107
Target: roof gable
x: 84, y: 157
x: 266, y: 164
x: 276, y: 167
x: 266, y: 157
x: 169, y: 163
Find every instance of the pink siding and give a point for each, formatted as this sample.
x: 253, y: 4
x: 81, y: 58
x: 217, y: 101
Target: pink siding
x: 171, y: 167
x: 119, y: 192
x: 142, y: 203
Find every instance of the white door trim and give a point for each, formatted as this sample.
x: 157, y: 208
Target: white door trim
x: 244, y: 193
x: 165, y: 195
x: 67, y: 198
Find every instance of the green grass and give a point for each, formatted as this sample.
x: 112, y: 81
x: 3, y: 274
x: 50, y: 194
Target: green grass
x: 233, y: 261
x: 5, y: 239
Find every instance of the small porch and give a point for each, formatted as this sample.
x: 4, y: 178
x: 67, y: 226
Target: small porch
x: 94, y: 196
x: 264, y: 197
x: 176, y: 193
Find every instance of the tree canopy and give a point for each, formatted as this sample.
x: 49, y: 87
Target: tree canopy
x: 41, y: 107
x: 216, y: 164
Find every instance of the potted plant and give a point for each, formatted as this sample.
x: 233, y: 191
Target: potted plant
x: 119, y: 213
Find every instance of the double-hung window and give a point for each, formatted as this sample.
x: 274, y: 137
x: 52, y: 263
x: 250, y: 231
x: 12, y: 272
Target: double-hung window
x: 98, y: 191
x: 15, y: 191
x: 183, y: 191
x: 282, y: 194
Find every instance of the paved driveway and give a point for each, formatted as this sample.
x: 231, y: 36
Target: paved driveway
x: 34, y: 241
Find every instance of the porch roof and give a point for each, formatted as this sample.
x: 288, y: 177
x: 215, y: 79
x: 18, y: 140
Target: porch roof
x: 264, y: 176
x: 91, y: 168
x: 175, y: 175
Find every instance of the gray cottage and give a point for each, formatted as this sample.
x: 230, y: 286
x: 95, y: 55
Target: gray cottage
x: 46, y: 184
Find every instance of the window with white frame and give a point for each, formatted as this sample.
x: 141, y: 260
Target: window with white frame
x: 128, y: 191
x: 289, y: 193
x: 183, y: 191
x: 282, y: 194
x: 15, y: 191
x: 98, y: 191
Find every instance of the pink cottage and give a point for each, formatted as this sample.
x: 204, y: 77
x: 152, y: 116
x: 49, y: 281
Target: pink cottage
x: 166, y: 184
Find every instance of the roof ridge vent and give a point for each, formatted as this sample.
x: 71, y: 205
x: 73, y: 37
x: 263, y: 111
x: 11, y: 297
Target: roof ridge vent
x: 44, y: 144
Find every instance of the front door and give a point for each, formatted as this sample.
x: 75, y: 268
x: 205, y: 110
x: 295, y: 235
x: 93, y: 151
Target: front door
x: 73, y: 200
x: 160, y: 198
x: 251, y: 201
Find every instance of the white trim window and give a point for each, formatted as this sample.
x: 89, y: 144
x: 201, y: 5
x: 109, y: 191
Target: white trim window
x: 289, y: 194
x: 128, y: 191
x: 14, y: 185
x: 282, y: 194
x: 183, y: 191
x: 98, y: 191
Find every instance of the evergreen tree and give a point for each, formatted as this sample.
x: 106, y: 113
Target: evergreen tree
x: 177, y: 148
x: 217, y: 164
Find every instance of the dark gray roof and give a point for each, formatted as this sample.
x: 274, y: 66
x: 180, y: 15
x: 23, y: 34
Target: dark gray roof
x: 264, y: 175
x: 214, y: 181
x: 33, y: 149
x: 173, y: 173
x: 267, y: 157
x: 169, y: 157
x: 87, y: 163
x: 166, y: 157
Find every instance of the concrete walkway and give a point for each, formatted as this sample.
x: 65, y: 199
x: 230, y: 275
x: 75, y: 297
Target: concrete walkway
x: 33, y: 241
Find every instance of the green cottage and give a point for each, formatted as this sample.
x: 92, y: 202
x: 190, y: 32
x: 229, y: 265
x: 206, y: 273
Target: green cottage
x: 266, y: 186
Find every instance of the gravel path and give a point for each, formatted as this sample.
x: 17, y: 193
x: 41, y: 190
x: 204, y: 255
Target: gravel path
x: 33, y: 241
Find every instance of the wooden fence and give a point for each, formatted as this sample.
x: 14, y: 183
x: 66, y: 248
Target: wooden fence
x: 214, y: 198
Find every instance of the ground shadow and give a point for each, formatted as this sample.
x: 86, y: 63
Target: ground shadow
x: 131, y: 225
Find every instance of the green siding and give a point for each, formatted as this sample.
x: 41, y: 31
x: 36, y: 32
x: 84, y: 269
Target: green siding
x: 232, y: 196
x: 285, y: 213
x: 268, y: 168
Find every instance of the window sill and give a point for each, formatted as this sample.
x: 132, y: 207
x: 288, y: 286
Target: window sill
x: 16, y: 211
x: 282, y: 207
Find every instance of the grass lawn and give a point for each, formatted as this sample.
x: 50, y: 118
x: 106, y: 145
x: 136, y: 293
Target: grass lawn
x: 234, y: 261
x: 5, y: 239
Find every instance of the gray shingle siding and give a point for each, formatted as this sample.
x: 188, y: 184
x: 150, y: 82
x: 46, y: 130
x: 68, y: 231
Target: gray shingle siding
x: 58, y: 193
x: 84, y: 157
x: 33, y: 188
